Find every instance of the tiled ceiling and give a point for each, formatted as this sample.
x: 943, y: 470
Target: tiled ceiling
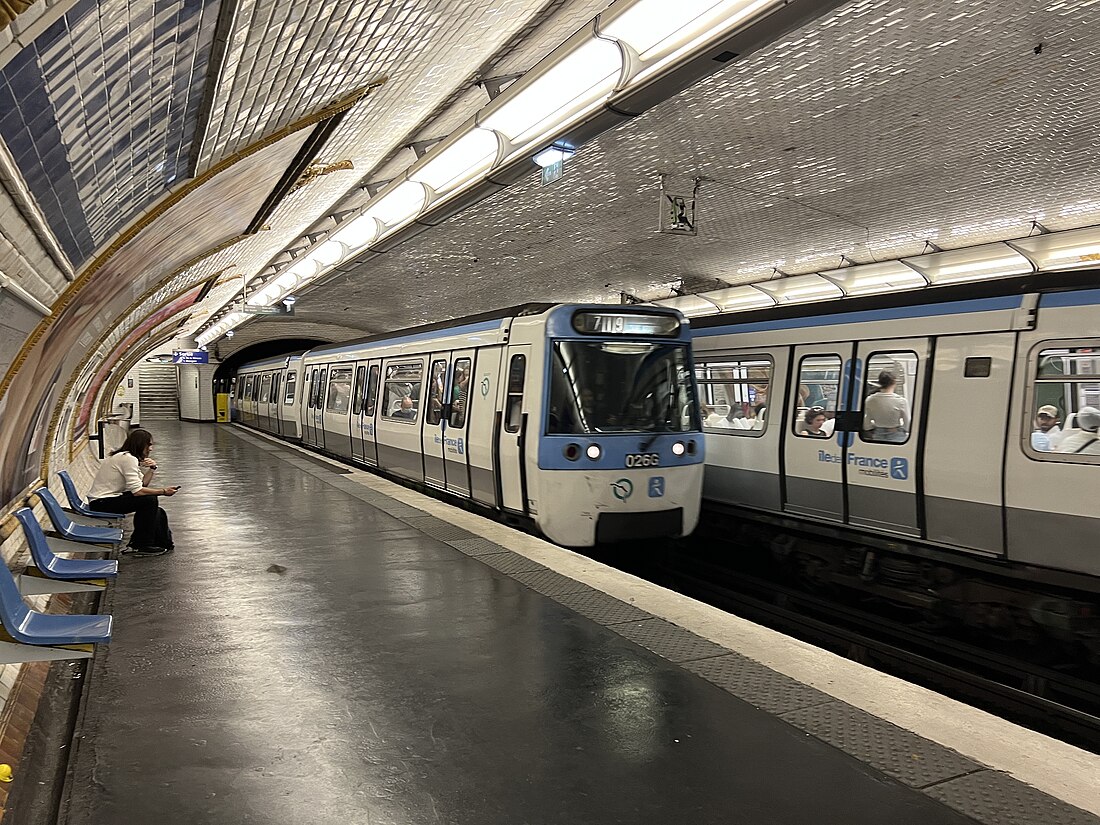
x: 99, y: 112
x: 867, y: 133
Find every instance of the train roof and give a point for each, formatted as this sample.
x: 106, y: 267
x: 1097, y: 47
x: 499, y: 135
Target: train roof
x: 496, y: 315
x: 1006, y: 287
x: 271, y: 360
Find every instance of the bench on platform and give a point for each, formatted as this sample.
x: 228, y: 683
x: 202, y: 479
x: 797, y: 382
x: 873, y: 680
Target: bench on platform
x: 30, y: 636
x: 69, y: 529
x: 54, y: 566
x: 79, y: 506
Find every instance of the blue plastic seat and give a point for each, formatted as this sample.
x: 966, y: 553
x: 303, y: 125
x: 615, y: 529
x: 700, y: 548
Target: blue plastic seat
x: 33, y: 628
x: 77, y: 503
x: 70, y: 530
x: 51, y: 564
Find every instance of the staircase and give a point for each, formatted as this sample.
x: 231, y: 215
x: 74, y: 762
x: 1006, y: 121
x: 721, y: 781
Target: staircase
x: 158, y: 396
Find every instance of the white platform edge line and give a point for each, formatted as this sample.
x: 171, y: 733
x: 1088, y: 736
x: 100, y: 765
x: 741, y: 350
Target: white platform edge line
x: 1059, y: 769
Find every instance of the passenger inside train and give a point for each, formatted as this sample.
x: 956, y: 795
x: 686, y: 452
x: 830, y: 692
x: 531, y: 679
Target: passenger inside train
x: 1048, y: 433
x: 813, y: 423
x: 886, y: 412
x: 1084, y: 440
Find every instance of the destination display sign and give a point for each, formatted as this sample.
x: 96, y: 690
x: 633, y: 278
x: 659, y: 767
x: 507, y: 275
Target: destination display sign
x: 598, y: 322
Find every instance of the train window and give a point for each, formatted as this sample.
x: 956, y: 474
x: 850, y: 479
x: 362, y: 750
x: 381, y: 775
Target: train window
x: 513, y: 409
x: 256, y: 389
x: 275, y: 379
x: 357, y: 393
x: 816, y: 399
x: 733, y: 394
x: 401, y: 399
x: 246, y: 393
x: 265, y: 388
x: 435, y: 392
x: 890, y: 380
x: 339, y: 391
x: 1064, y: 422
x: 618, y: 386
x: 312, y: 400
x: 372, y: 390
x: 322, y: 380
x: 291, y: 380
x: 978, y: 367
x: 460, y: 393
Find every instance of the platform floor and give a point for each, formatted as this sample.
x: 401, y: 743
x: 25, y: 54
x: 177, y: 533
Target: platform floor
x: 308, y: 655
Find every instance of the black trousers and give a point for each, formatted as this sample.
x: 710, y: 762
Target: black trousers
x: 150, y: 521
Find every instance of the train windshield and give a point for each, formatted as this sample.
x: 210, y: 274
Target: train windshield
x: 620, y: 387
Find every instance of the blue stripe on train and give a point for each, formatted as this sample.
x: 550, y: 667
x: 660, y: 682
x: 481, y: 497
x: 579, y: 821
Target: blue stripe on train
x: 863, y: 316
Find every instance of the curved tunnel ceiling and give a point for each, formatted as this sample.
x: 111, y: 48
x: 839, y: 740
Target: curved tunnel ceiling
x: 871, y: 130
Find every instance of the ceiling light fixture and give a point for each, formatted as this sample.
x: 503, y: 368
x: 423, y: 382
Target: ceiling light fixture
x: 1057, y: 251
x: 459, y: 162
x: 547, y: 98
x: 658, y: 33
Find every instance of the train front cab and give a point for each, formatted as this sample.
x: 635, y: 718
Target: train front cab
x: 619, y: 449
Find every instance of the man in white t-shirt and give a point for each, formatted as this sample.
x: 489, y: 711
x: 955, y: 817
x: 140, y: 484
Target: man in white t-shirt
x: 1047, y: 433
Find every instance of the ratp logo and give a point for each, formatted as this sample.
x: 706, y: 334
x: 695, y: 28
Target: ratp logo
x: 622, y: 489
x: 899, y: 468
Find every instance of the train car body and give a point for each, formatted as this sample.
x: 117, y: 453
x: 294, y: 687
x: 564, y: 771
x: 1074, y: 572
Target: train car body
x: 964, y: 470
x: 266, y: 395
x: 582, y: 419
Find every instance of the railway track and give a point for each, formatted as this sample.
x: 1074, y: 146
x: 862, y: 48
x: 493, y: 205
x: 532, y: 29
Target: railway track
x: 1044, y: 698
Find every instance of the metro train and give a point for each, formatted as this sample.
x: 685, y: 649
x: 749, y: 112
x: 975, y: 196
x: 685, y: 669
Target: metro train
x: 960, y: 504
x: 581, y: 419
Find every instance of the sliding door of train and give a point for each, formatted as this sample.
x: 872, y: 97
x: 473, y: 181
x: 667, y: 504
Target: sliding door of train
x: 432, y: 433
x: 364, y: 405
x: 881, y: 459
x: 813, y: 452
x: 512, y: 430
x: 313, y: 413
x: 336, y: 416
x: 460, y: 395
x: 481, y: 418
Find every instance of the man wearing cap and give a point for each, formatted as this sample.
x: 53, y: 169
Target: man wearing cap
x: 1083, y: 440
x: 1047, y: 435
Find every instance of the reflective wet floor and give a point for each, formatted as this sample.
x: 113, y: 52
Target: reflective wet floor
x: 303, y: 657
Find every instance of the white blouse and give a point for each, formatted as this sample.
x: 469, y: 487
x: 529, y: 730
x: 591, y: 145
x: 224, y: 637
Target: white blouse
x: 118, y: 474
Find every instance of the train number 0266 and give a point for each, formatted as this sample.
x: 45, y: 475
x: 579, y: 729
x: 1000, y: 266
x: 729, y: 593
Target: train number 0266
x: 643, y: 460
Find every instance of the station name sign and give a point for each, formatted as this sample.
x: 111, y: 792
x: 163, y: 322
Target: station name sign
x: 277, y: 309
x: 190, y: 356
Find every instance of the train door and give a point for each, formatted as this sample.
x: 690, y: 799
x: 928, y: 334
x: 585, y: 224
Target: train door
x: 512, y: 431
x: 460, y: 397
x: 369, y: 419
x: 261, y: 401
x: 308, y: 435
x: 358, y: 396
x: 481, y: 425
x: 276, y: 419
x: 881, y: 461
x: 813, y: 449
x: 315, y: 408
x: 336, y: 415
x: 432, y: 433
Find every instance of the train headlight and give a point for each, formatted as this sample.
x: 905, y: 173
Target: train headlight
x: 678, y: 448
x: 593, y: 451
x: 572, y: 451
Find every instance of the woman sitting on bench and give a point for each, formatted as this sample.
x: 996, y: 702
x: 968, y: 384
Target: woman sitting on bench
x: 121, y: 486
